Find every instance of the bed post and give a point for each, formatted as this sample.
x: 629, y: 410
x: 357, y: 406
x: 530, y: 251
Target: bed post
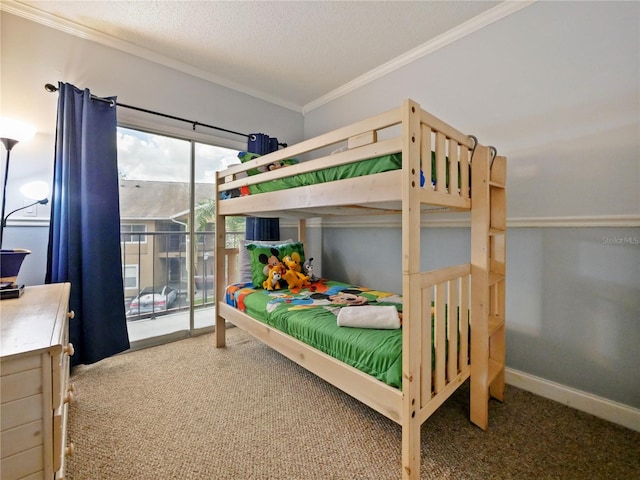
x: 302, y: 231
x: 221, y: 274
x: 411, y: 321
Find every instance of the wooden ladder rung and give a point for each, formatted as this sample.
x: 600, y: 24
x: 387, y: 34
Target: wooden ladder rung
x: 495, y: 368
x: 495, y: 323
x: 495, y: 277
x: 499, y: 268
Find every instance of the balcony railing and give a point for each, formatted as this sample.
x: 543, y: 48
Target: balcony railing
x: 158, y: 275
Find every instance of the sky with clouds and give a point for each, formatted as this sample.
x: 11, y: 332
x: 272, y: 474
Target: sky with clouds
x: 146, y: 156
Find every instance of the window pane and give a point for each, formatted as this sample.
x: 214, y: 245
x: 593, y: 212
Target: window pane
x: 154, y: 206
x: 130, y: 276
x: 128, y: 235
x: 151, y: 157
x: 208, y: 160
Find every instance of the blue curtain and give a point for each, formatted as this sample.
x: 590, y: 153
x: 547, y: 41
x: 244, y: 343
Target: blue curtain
x: 84, y: 236
x: 262, y: 228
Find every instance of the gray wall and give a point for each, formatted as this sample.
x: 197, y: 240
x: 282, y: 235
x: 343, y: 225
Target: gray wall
x: 573, y: 296
x: 33, y: 54
x: 574, y: 308
x: 34, y: 238
x: 555, y: 88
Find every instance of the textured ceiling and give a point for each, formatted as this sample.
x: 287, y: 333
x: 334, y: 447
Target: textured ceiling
x: 290, y: 52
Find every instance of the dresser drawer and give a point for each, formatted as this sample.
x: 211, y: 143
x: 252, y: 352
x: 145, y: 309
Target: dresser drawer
x: 60, y: 366
x: 61, y: 448
x: 63, y: 396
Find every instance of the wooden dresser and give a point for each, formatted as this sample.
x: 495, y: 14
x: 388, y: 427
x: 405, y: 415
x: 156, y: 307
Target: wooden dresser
x: 34, y: 388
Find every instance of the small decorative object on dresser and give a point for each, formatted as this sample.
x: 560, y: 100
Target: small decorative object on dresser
x: 10, y: 263
x: 34, y: 383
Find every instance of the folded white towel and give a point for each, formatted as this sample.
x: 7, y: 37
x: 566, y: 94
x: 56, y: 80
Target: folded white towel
x: 369, y: 316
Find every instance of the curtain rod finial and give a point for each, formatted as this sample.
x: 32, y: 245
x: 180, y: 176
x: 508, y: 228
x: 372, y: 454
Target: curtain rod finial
x: 50, y: 88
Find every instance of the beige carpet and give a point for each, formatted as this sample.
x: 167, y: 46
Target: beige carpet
x: 187, y: 410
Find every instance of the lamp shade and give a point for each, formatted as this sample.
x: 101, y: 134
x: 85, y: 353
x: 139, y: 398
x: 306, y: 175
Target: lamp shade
x: 36, y: 190
x: 16, y: 129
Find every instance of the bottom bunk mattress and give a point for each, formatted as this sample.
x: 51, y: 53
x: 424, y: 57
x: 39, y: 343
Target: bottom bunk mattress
x: 317, y: 315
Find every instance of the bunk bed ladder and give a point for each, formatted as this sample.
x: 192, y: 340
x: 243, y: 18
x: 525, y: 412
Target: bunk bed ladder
x: 488, y: 268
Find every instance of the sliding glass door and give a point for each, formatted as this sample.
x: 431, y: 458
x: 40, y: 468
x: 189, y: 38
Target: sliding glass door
x: 167, y: 195
x: 208, y: 160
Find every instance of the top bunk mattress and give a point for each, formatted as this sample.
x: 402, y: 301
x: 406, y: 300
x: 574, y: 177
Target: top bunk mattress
x: 371, y: 166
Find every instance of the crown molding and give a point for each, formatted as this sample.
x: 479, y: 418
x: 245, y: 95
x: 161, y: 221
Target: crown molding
x: 77, y: 30
x: 490, y: 16
x: 35, y: 15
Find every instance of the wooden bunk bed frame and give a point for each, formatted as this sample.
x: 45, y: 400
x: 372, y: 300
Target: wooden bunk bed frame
x: 477, y: 287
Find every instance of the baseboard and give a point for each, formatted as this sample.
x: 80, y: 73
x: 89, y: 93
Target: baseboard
x: 611, y: 411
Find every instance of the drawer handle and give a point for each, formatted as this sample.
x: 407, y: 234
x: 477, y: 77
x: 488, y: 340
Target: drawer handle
x: 69, y: 450
x: 68, y: 397
x: 71, y: 315
x: 68, y: 349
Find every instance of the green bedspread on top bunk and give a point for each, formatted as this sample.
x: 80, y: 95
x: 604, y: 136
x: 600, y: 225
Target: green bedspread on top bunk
x: 384, y: 163
x: 370, y: 166
x: 309, y: 315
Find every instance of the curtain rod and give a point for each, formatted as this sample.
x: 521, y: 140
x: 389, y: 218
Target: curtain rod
x: 52, y: 88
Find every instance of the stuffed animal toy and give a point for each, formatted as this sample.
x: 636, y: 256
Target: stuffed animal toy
x: 275, y: 275
x: 275, y: 166
x: 295, y: 279
x: 270, y: 262
x: 307, y: 269
x: 293, y: 274
x: 292, y: 262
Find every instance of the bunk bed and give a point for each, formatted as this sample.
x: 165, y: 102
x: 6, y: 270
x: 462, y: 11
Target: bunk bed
x: 453, y: 326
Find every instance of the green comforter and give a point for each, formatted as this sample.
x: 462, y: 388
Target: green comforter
x: 309, y: 315
x: 370, y: 166
x: 330, y: 174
